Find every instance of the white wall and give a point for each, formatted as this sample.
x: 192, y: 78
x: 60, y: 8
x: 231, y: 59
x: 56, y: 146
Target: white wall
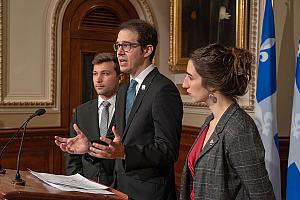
x: 27, y: 73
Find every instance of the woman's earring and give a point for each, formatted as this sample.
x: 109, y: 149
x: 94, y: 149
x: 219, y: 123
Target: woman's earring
x: 212, y: 98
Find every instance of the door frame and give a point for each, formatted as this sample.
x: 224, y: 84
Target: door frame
x: 75, y: 41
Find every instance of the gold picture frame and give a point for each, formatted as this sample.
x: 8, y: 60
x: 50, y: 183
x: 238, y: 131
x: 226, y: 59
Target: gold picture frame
x: 178, y: 61
x: 247, y: 36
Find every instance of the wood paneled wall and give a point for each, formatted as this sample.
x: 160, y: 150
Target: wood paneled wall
x: 39, y: 150
x: 188, y: 136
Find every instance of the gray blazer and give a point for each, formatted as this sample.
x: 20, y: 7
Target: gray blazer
x: 231, y: 164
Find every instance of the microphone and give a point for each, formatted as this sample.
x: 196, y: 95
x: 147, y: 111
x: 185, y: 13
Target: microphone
x: 18, y: 180
x: 38, y: 112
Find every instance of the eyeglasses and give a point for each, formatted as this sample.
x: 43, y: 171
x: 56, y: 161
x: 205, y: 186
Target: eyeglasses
x: 126, y: 46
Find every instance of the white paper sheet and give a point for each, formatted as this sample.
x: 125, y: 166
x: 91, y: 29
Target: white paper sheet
x: 71, y: 183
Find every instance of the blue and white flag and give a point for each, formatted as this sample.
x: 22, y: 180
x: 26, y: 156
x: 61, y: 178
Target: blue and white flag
x: 293, y: 173
x: 265, y: 104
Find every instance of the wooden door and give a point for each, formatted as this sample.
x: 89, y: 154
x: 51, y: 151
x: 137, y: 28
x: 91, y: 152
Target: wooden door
x: 88, y: 27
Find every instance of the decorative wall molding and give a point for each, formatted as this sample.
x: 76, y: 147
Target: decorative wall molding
x: 253, y: 47
x: 2, y: 39
x: 48, y: 98
x: 143, y: 9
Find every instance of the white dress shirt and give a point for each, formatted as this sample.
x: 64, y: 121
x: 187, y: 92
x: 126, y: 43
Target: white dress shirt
x: 111, y: 108
x: 140, y: 78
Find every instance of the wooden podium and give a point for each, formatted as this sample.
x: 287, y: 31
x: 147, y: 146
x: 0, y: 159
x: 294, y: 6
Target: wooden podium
x: 36, y: 189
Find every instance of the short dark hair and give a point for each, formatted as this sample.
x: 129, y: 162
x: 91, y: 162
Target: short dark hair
x: 147, y: 35
x: 226, y: 69
x: 107, y: 57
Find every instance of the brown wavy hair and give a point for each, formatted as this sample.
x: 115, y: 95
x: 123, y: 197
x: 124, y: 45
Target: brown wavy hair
x: 107, y: 57
x: 225, y: 69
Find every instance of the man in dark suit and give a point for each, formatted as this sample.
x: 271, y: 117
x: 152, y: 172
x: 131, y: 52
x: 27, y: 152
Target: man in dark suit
x: 106, y: 76
x: 147, y: 137
x: 148, y: 120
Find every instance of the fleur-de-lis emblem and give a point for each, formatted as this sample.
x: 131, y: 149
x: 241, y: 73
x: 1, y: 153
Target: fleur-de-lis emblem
x: 264, y: 121
x: 268, y: 122
x: 267, y: 44
x: 295, y: 129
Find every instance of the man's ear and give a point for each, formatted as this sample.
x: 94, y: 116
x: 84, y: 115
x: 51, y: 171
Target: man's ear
x: 121, y: 78
x: 148, y: 50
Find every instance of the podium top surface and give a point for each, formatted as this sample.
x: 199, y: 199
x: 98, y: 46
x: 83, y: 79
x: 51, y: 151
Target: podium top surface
x: 36, y: 189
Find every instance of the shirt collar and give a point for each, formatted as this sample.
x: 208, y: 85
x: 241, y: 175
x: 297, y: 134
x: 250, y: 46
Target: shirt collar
x: 112, y: 100
x: 140, y: 78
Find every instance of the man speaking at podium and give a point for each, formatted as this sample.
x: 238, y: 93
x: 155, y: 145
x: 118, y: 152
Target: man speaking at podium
x: 148, y: 121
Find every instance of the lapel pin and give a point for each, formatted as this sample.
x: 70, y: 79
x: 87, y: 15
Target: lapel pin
x: 143, y: 87
x: 211, y: 142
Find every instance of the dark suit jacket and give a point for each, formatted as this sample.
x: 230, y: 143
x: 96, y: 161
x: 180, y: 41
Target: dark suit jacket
x: 86, y: 117
x: 151, y: 138
x: 231, y: 164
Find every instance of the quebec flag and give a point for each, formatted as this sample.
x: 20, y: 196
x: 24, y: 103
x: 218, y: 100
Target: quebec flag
x: 265, y: 104
x: 293, y: 173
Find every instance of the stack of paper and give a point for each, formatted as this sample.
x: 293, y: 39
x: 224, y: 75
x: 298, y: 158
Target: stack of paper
x: 71, y: 183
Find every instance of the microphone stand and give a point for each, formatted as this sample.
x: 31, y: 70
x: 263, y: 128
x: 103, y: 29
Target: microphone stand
x: 18, y: 180
x: 2, y: 170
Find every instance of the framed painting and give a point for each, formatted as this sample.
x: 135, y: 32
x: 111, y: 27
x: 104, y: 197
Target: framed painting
x: 197, y: 23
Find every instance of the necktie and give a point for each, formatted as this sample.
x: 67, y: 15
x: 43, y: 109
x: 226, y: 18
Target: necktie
x: 130, y: 96
x: 104, y: 118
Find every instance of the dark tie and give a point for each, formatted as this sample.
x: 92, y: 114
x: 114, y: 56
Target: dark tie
x: 130, y: 96
x: 104, y: 118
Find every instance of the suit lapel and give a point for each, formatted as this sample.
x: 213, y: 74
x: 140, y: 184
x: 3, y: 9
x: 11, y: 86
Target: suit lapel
x: 139, y: 97
x: 218, y: 130
x: 210, y: 144
x: 205, y: 124
x: 93, y: 115
x: 110, y: 134
x: 120, y: 107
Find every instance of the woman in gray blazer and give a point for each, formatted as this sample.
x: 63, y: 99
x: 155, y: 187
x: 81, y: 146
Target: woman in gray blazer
x: 226, y: 160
